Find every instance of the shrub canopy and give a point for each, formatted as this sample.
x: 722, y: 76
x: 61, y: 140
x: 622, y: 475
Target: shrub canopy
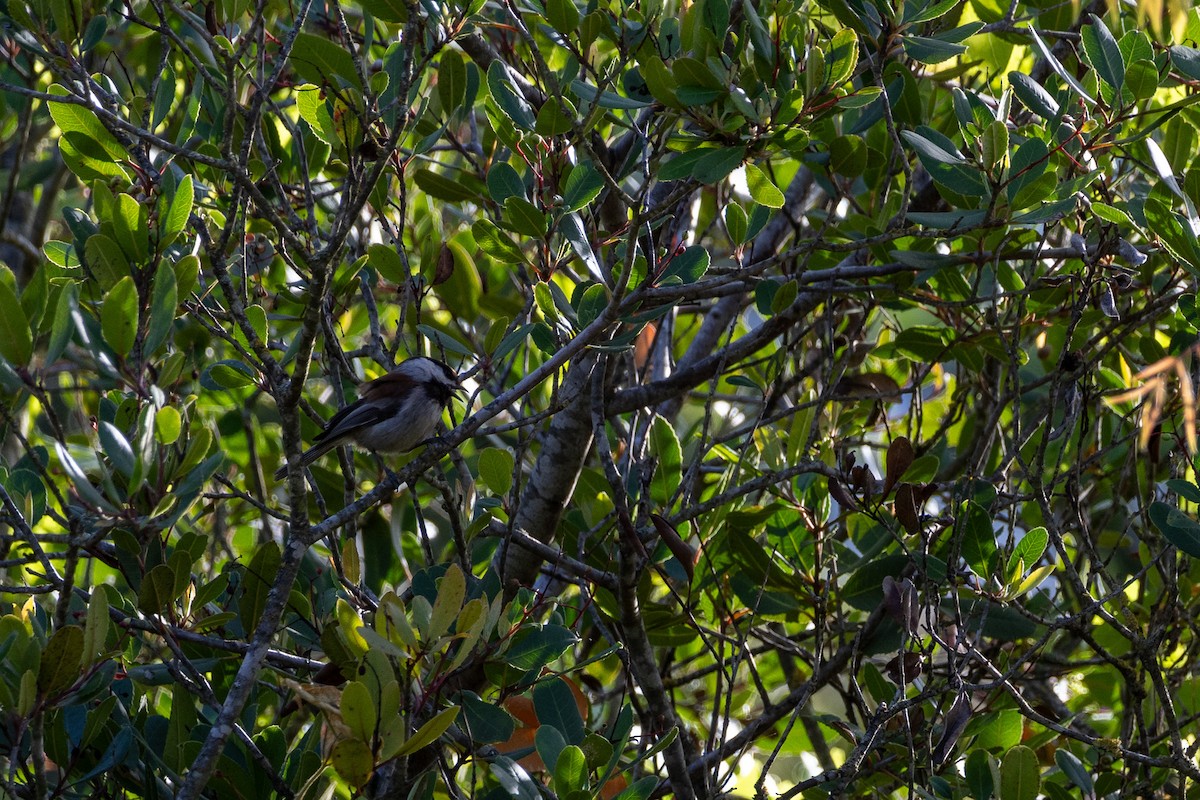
x: 830, y: 425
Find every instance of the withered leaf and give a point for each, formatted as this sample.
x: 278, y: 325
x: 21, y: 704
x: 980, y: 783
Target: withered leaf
x: 445, y: 265
x: 954, y: 723
x: 905, y: 508
x: 900, y: 602
x: 837, y: 490
x: 900, y: 457
x: 904, y: 668
x: 675, y: 543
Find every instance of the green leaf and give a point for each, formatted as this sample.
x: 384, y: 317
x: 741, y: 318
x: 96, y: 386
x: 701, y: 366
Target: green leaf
x: 119, y: 316
x: 452, y: 80
x: 534, y: 647
x: 179, y: 211
x: 563, y: 16
x: 640, y: 790
x: 315, y: 111
x: 956, y: 178
x: 358, y: 711
x: 572, y: 229
x: 664, y: 446
x: 386, y: 261
x: 61, y: 254
x: 689, y: 266
x: 1020, y: 778
x: 80, y: 480
x: 77, y: 118
x: 167, y: 425
x: 157, y: 590
x: 948, y: 220
x: 715, y: 165
x: 592, y: 304
x: 95, y: 631
x: 117, y: 448
x: 386, y: 10
x: 524, y: 217
x: 978, y: 537
x: 549, y: 743
x: 605, y: 99
x: 1179, y: 529
x: 925, y: 342
x: 1103, y: 53
x: 430, y: 732
x: 163, y: 305
x: 570, y: 771
x: 659, y: 81
x: 1029, y: 549
x: 227, y: 374
x: 979, y: 774
x: 842, y: 57
x: 514, y: 780
x: 451, y: 591
x: 485, y: 722
x: 504, y: 182
x: 1185, y: 489
x: 736, y: 223
x: 583, y: 185
x: 68, y: 19
x: 16, y: 339
x: 1141, y: 79
x: 1029, y: 164
x: 935, y: 152
x: 353, y: 761
x: 555, y: 705
x: 764, y: 192
x: 1186, y: 60
x: 1074, y: 769
x: 931, y: 51
x: 260, y: 575
x: 864, y: 588
x: 1033, y: 95
x: 1030, y: 582
x: 495, y: 243
x: 997, y: 730
x: 318, y: 60
x: 443, y: 187
x: 496, y: 469
x: 61, y: 661
x: 106, y: 260
x: 933, y: 10
x: 555, y: 118
x: 508, y: 97
x: 129, y: 221
x: 1058, y: 68
x: 690, y: 71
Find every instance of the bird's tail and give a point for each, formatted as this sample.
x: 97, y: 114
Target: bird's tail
x: 309, y: 456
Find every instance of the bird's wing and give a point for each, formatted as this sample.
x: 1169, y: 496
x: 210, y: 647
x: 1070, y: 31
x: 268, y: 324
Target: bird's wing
x: 354, y: 417
x: 394, y: 383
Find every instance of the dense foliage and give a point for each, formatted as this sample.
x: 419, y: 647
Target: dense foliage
x: 830, y: 426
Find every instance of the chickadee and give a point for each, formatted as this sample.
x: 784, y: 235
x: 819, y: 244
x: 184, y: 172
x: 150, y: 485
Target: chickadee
x: 395, y: 413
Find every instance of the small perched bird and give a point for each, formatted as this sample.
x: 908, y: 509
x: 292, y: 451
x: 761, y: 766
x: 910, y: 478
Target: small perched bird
x: 395, y: 413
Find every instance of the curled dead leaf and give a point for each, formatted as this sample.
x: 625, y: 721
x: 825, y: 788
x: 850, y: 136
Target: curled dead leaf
x: 445, y: 266
x: 675, y: 543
